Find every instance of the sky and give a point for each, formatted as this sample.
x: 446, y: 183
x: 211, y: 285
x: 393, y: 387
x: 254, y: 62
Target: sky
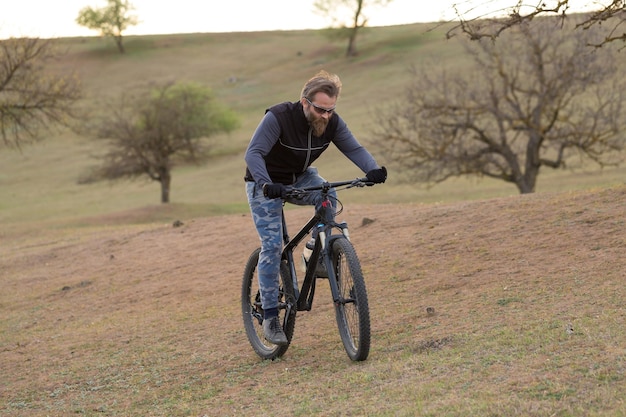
x: 50, y: 19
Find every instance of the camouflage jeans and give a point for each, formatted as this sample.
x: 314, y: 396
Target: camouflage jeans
x: 266, y: 214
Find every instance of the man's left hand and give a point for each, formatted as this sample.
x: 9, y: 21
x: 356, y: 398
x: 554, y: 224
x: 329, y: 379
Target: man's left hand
x: 377, y: 176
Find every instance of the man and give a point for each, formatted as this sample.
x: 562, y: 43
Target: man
x: 289, y: 138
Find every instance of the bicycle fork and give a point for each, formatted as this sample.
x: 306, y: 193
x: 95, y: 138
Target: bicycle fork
x: 328, y: 260
x: 332, y: 276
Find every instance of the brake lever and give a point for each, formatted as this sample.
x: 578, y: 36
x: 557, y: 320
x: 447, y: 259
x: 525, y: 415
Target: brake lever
x: 294, y: 193
x: 361, y: 182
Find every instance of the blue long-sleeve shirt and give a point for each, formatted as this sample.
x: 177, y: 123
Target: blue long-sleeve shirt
x: 274, y: 146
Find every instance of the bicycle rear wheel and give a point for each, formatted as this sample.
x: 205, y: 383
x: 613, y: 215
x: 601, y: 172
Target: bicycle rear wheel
x: 352, y: 310
x: 253, y: 312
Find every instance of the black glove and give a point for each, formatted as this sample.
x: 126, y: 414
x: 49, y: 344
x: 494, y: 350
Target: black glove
x: 377, y: 176
x: 271, y: 190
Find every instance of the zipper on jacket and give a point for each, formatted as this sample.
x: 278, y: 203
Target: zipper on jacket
x: 308, y: 151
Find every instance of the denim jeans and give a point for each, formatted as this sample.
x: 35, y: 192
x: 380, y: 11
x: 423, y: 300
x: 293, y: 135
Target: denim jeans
x: 266, y: 214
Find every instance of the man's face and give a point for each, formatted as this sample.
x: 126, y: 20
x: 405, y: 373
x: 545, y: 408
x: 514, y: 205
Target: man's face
x: 318, y: 110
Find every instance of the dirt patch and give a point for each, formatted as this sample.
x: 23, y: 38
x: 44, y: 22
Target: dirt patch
x: 98, y: 318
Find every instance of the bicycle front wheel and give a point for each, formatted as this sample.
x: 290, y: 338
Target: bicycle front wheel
x: 253, y: 312
x: 352, y: 309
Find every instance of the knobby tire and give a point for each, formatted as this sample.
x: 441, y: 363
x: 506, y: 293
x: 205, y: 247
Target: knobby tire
x: 253, y: 313
x: 352, y: 310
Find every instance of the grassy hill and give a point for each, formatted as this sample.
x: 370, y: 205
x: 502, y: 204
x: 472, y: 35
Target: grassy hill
x: 248, y: 72
x: 108, y: 310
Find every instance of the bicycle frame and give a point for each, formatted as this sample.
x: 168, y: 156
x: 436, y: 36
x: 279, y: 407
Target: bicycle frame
x: 323, y: 243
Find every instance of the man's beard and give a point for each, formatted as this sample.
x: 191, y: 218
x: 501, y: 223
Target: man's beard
x: 319, y: 124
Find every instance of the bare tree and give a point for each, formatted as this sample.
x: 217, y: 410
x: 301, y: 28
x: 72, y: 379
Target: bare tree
x: 152, y: 132
x: 32, y: 98
x: 611, y: 12
x: 111, y: 20
x: 354, y: 10
x: 535, y: 98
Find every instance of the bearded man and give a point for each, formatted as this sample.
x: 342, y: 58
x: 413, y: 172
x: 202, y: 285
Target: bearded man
x: 289, y: 138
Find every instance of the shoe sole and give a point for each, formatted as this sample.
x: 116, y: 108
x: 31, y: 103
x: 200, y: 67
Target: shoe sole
x: 278, y: 342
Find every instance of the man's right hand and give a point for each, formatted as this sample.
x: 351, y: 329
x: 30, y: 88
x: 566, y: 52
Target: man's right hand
x: 271, y: 190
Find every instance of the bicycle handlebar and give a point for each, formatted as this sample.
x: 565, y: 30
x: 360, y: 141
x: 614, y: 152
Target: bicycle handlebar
x: 357, y: 182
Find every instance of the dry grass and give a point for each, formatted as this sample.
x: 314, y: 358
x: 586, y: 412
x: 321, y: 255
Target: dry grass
x: 108, y: 310
x: 145, y: 320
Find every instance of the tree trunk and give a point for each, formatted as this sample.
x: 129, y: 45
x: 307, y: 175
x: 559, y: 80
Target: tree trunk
x: 527, y: 182
x: 120, y: 45
x: 525, y: 188
x: 165, y: 180
x: 351, y: 51
x: 355, y: 28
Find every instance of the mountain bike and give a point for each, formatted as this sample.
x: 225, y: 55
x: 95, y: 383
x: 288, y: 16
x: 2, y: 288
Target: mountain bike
x: 333, y: 258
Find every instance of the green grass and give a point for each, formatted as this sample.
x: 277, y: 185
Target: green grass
x: 107, y: 310
x: 40, y: 183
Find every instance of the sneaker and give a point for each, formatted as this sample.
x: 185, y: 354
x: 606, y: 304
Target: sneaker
x: 273, y: 331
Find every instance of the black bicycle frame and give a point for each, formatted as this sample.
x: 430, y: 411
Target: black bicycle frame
x: 323, y: 244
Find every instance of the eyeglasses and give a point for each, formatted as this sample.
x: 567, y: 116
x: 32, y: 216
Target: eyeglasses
x: 320, y: 110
